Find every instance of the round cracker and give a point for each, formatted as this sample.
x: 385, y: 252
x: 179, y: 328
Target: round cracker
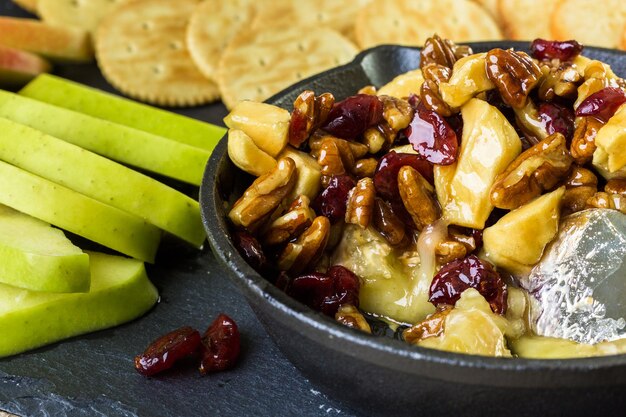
x: 590, y: 22
x: 338, y: 15
x: 212, y: 25
x: 492, y: 7
x: 527, y: 19
x: 411, y: 22
x: 259, y: 63
x: 141, y: 51
x: 28, y: 5
x: 85, y: 14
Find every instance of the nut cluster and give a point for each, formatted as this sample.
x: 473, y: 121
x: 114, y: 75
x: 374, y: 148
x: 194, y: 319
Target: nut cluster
x: 384, y: 164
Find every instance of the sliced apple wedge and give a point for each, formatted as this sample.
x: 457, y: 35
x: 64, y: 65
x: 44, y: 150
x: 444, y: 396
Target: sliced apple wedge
x: 38, y: 257
x: 120, y: 292
x: 516, y: 241
x: 488, y: 146
x: 121, y: 143
x: 73, y: 96
x: 54, y: 42
x: 102, y: 179
x: 19, y: 67
x: 79, y: 214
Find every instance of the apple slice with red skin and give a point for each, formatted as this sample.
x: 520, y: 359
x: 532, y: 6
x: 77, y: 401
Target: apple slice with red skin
x: 18, y: 67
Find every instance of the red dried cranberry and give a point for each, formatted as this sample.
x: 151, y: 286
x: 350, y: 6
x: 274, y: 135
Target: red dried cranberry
x: 432, y: 137
x: 602, y: 104
x: 456, y: 123
x: 345, y: 290
x: 297, y: 128
x: 349, y: 118
x: 332, y: 201
x: 386, y: 175
x: 220, y: 345
x: 326, y: 292
x: 162, y: 353
x: 562, y: 50
x: 251, y: 250
x: 470, y: 272
x: 557, y: 118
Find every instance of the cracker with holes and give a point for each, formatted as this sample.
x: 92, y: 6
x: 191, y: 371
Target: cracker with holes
x: 213, y: 24
x: 29, y: 5
x: 589, y: 21
x: 338, y: 15
x: 85, y: 14
x: 533, y: 23
x: 141, y: 51
x: 411, y: 22
x: 259, y: 63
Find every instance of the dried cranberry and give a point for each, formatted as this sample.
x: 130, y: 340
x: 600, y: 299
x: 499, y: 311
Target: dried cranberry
x: 297, y: 128
x: 602, y: 104
x: 332, y: 201
x: 432, y: 137
x: 345, y: 289
x: 386, y: 175
x: 349, y: 118
x: 220, y: 345
x: 326, y: 292
x: 251, y: 250
x: 470, y: 272
x: 562, y: 50
x: 557, y: 118
x: 162, y: 353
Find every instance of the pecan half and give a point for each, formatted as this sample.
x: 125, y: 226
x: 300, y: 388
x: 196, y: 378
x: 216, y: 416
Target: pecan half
x: 365, y: 167
x: 431, y: 326
x: 264, y: 195
x: 539, y: 168
x: 435, y: 74
x: 580, y: 186
x: 350, y: 316
x: 449, y: 250
x: 514, y: 74
x: 388, y: 224
x: 584, y: 140
x: 306, y: 249
x: 605, y: 200
x: 336, y: 156
x: 309, y: 112
x: 360, y: 203
x: 442, y: 51
x: 396, y: 112
x: 418, y: 197
x: 290, y: 225
x: 560, y: 81
x: 616, y: 186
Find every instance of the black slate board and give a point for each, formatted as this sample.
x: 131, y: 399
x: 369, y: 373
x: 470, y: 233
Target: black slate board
x: 93, y: 375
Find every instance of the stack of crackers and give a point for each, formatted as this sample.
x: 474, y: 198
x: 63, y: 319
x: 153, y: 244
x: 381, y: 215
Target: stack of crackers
x: 191, y: 52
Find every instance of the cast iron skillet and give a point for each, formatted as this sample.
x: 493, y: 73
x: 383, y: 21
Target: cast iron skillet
x: 381, y: 376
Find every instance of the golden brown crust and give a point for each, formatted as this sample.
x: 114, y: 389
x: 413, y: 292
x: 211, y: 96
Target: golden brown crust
x: 141, y: 51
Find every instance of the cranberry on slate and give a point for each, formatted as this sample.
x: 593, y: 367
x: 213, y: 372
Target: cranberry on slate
x: 602, y: 104
x: 470, y: 272
x: 432, y: 137
x: 162, y: 353
x: 386, y: 175
x: 251, y: 250
x: 562, y: 50
x: 326, y: 292
x: 349, y: 118
x: 557, y: 118
x: 332, y: 201
x: 220, y: 345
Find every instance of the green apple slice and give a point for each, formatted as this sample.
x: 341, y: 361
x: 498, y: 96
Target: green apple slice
x: 38, y: 257
x: 120, y: 292
x: 79, y: 214
x: 102, y: 179
x: 96, y: 103
x: 121, y: 143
